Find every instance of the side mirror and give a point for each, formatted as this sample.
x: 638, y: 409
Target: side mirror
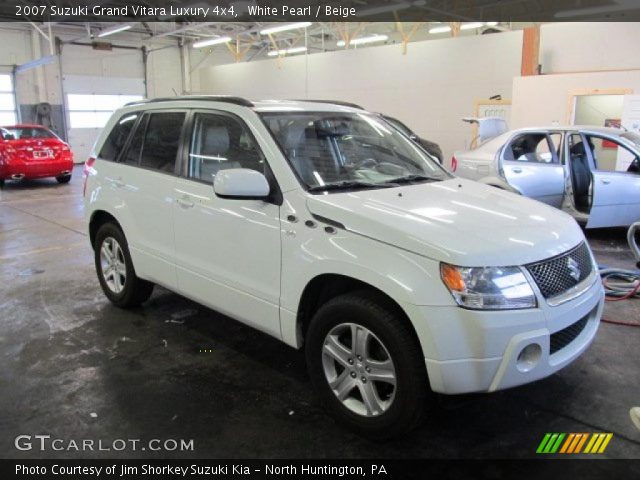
x: 241, y: 183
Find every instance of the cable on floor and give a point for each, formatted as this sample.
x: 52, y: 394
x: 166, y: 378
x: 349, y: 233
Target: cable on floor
x: 620, y: 284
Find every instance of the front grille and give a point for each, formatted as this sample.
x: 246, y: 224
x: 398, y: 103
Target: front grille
x: 558, y: 274
x: 564, y: 337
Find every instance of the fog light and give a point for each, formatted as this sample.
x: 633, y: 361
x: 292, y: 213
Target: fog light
x: 529, y: 357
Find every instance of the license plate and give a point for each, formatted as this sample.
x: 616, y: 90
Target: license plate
x: 42, y: 154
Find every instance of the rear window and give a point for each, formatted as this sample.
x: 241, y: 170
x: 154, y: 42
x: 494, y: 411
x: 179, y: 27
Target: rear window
x: 117, y: 139
x: 24, y: 133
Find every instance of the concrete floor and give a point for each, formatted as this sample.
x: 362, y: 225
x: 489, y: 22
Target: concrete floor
x: 75, y: 367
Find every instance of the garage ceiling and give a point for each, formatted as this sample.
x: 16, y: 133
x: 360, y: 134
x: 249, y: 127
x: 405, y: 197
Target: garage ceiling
x: 426, y: 19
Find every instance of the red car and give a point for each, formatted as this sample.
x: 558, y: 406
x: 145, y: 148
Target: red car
x: 33, y: 151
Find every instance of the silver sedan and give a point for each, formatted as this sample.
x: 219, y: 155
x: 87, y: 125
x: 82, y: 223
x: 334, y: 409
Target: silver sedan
x: 593, y: 173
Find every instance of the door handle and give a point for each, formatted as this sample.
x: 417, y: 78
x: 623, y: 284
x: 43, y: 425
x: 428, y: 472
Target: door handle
x: 605, y: 181
x: 517, y: 170
x: 184, y: 202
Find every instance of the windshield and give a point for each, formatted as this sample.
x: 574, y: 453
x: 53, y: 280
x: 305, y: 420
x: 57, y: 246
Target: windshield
x: 399, y: 125
x: 22, y: 133
x: 339, y: 151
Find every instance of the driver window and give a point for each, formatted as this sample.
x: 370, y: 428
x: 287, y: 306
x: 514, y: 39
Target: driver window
x: 221, y: 142
x: 532, y: 148
x: 609, y: 155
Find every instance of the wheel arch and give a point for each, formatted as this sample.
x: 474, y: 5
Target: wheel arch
x: 99, y: 218
x: 322, y: 288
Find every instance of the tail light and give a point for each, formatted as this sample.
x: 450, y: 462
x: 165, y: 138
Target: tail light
x: 454, y: 163
x: 86, y: 171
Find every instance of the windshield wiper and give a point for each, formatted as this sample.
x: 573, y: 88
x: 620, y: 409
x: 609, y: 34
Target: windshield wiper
x: 411, y: 179
x: 348, y: 184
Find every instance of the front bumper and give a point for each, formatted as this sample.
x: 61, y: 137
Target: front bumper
x: 474, y: 351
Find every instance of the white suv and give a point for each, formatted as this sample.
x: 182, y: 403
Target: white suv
x: 324, y: 226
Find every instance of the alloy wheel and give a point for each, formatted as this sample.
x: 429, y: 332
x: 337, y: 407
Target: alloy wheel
x: 359, y: 369
x: 112, y: 264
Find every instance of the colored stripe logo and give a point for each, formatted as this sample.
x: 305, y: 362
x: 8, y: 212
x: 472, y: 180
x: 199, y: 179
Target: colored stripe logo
x: 574, y: 443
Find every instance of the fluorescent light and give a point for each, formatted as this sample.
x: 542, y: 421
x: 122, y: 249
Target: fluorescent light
x: 491, y: 24
x: 284, y: 28
x: 116, y: 29
x: 442, y: 29
x: 363, y: 40
x: 287, y: 51
x: 211, y: 41
x: 471, y: 25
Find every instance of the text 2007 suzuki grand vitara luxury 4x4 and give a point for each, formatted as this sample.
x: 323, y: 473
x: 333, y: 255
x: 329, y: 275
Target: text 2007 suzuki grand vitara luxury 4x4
x: 324, y: 226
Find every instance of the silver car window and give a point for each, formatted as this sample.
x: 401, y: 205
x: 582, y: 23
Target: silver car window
x: 532, y: 147
x: 611, y: 155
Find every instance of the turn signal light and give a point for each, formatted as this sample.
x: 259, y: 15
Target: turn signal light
x: 452, y: 278
x: 454, y: 163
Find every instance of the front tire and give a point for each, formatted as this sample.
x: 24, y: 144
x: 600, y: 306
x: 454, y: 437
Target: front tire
x: 115, y: 270
x: 64, y: 178
x: 367, y: 366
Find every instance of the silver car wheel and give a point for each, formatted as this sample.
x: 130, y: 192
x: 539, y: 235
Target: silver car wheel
x: 359, y: 369
x: 112, y: 264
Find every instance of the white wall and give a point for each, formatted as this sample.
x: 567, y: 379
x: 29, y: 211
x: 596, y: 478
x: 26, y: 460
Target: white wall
x: 164, y: 76
x: 430, y: 88
x: 588, y: 46
x: 18, y: 49
x: 576, y: 56
x: 542, y: 100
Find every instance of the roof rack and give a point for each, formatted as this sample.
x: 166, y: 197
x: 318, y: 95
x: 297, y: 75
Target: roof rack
x: 243, y: 102
x: 334, y: 102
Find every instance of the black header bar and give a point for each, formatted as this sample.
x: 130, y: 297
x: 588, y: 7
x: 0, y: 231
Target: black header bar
x: 318, y: 10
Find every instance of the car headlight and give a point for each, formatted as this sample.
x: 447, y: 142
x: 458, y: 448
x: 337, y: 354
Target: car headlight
x: 488, y: 288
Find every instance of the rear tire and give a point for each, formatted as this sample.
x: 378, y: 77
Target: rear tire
x: 384, y: 377
x: 64, y: 178
x: 115, y: 269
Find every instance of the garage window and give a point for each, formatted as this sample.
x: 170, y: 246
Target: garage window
x: 7, y: 101
x: 93, y: 111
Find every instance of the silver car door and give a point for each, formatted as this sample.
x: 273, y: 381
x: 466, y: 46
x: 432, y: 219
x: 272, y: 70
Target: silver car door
x: 616, y: 194
x: 531, y: 165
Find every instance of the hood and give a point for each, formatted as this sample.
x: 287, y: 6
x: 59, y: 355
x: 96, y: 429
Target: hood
x: 456, y: 221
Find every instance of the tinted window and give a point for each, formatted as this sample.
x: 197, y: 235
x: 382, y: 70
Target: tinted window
x: 220, y: 142
x: 132, y: 157
x: 118, y: 137
x: 23, y: 133
x: 161, y: 141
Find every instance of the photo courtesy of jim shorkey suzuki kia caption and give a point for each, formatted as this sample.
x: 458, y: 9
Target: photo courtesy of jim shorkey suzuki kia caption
x: 121, y: 470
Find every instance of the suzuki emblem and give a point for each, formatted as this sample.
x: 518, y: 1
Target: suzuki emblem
x: 574, y: 269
